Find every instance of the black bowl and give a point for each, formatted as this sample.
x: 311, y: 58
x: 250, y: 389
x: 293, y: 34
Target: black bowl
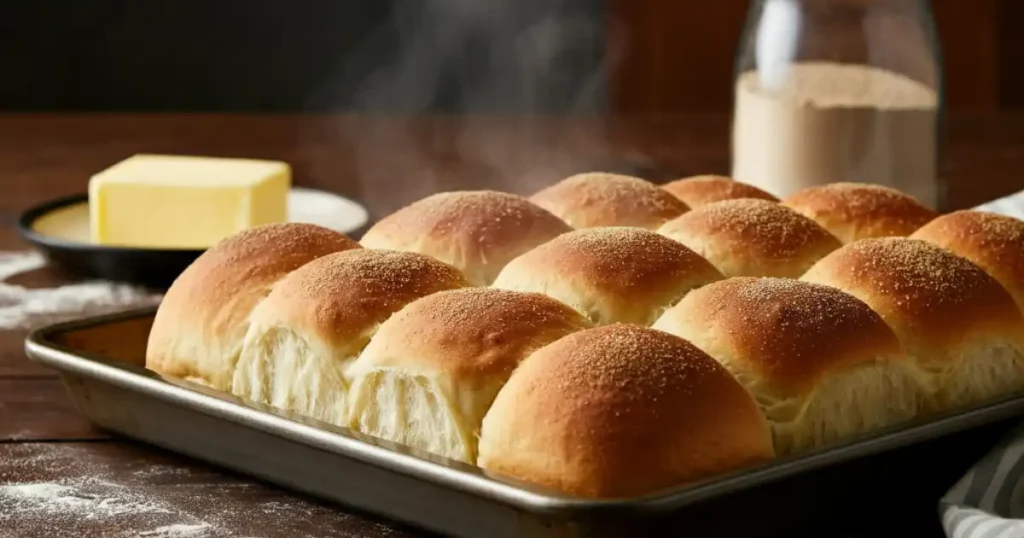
x: 150, y: 268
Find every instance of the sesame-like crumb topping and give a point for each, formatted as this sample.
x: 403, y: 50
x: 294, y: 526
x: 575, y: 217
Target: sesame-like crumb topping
x: 478, y: 330
x: 287, y: 244
x: 489, y: 217
x: 619, y: 257
x: 348, y: 290
x: 697, y: 191
x: 491, y: 307
x: 600, y: 199
x: 991, y: 232
x: 880, y: 211
x: 765, y: 229
x: 918, y: 271
x: 627, y: 364
x: 795, y: 331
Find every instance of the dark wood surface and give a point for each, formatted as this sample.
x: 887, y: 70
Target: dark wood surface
x: 384, y: 162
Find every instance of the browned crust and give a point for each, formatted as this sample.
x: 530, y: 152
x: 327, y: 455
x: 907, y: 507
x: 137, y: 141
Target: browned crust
x: 934, y: 300
x: 751, y: 237
x: 478, y: 232
x: 853, y: 211
x: 629, y: 272
x: 696, y: 191
x: 621, y: 411
x: 993, y: 242
x: 206, y: 309
x: 597, y: 199
x: 342, y: 298
x: 786, y: 334
x: 474, y: 335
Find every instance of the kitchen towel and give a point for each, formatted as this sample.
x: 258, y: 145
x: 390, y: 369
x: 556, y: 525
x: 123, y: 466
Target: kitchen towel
x: 988, y: 502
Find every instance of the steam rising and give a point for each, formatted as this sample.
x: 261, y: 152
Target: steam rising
x: 491, y: 75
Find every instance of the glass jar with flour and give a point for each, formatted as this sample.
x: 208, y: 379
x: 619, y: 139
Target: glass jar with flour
x: 839, y: 90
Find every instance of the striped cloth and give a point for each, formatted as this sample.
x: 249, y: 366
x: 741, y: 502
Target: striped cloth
x: 988, y: 502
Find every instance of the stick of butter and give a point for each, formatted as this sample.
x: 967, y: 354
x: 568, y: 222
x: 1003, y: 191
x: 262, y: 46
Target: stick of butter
x: 180, y: 202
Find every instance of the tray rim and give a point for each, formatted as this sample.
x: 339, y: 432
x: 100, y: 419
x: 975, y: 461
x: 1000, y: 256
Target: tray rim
x: 465, y: 478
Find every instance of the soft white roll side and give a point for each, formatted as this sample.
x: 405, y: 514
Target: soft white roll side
x: 319, y: 318
x: 822, y: 364
x: 431, y: 372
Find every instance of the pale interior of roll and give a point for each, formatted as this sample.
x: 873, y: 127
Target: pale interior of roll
x: 420, y: 410
x: 975, y: 372
x: 844, y: 404
x: 286, y: 370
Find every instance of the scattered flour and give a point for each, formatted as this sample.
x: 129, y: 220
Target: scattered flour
x: 91, y: 491
x: 26, y: 308
x: 179, y: 531
x: 84, y: 498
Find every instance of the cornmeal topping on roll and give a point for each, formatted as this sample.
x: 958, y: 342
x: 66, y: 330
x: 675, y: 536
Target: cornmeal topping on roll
x: 198, y: 330
x: 618, y: 411
x: 751, y: 237
x: 993, y: 242
x: 610, y: 274
x: 477, y: 232
x: 431, y: 372
x: 597, y: 199
x: 958, y: 322
x: 822, y: 364
x: 320, y: 317
x: 702, y: 190
x: 853, y: 211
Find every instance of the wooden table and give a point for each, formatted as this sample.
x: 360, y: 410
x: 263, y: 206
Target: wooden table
x: 385, y: 162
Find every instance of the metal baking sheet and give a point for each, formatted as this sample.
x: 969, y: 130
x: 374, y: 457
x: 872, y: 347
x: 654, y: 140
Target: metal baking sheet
x: 101, y: 362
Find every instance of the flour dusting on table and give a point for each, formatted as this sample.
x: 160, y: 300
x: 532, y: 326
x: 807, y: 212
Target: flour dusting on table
x: 86, y: 498
x: 179, y: 531
x: 27, y: 308
x: 87, y: 491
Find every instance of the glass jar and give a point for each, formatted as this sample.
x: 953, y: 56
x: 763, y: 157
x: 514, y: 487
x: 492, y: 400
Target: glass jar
x: 839, y: 90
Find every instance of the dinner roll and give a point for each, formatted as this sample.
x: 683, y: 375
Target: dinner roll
x: 477, y: 232
x: 959, y: 323
x: 706, y: 189
x: 621, y: 411
x: 822, y: 364
x: 317, y: 321
x: 597, y: 199
x: 751, y: 237
x: 198, y: 329
x: 993, y: 242
x: 852, y: 211
x: 431, y: 372
x: 610, y: 275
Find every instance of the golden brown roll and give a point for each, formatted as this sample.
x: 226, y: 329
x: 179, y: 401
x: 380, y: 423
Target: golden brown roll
x: 993, y: 242
x: 852, y: 211
x: 477, y: 232
x: 611, y: 274
x: 702, y: 190
x: 621, y: 411
x: 320, y: 317
x: 198, y: 330
x: 959, y: 323
x: 431, y: 372
x: 597, y: 199
x: 751, y: 237
x: 822, y: 364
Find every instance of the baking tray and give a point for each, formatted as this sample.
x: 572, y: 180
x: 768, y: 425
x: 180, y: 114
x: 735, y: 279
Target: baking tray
x: 895, y: 476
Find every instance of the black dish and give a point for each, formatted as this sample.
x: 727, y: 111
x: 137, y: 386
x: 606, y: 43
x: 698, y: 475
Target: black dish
x: 150, y: 268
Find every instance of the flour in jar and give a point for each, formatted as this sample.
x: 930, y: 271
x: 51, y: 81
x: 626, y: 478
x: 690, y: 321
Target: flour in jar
x: 826, y: 122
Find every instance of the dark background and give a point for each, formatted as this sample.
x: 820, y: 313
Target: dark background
x: 314, y: 55
x: 405, y: 56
